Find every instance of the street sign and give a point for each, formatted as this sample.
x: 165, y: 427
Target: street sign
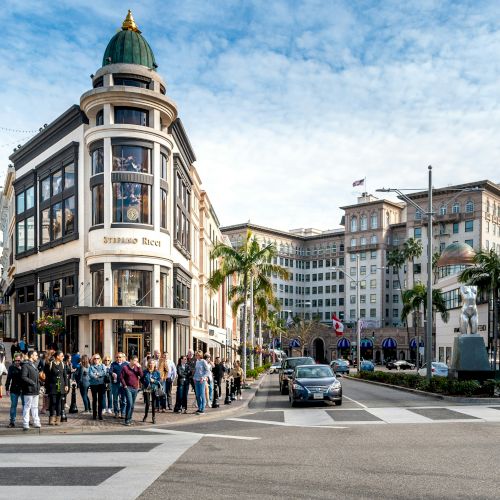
x: 294, y: 343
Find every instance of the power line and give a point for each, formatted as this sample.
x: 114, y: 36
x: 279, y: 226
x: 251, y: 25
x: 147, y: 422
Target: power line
x: 6, y: 129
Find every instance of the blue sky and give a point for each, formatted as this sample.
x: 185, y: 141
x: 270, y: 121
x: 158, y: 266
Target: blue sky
x: 286, y: 103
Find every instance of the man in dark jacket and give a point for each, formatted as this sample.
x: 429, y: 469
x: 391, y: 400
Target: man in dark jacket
x: 14, y: 348
x: 30, y: 389
x: 13, y: 387
x: 218, y: 373
x: 117, y: 391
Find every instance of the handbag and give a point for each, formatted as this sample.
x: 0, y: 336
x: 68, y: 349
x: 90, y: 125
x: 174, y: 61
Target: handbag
x: 159, y: 392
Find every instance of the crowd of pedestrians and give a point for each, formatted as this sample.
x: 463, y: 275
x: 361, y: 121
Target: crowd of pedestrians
x: 45, y: 381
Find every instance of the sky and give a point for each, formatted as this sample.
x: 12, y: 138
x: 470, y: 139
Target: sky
x: 286, y: 103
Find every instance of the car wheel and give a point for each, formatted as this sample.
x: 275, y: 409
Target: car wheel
x: 338, y: 403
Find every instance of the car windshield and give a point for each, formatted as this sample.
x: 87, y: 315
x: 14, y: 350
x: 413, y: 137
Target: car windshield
x: 293, y: 362
x: 314, y: 372
x: 341, y: 362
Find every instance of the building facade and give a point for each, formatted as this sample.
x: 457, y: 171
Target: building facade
x: 112, y: 229
x: 326, y: 268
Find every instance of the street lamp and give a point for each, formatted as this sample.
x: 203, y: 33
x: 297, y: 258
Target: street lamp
x: 430, y: 215
x: 356, y: 281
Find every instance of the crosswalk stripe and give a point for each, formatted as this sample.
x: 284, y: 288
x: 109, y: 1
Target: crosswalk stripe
x: 307, y: 417
x: 482, y: 412
x: 398, y: 416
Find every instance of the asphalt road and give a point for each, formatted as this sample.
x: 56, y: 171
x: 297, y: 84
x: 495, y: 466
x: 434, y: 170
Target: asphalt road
x: 442, y: 460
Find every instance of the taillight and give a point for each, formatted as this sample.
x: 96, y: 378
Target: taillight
x: 433, y: 370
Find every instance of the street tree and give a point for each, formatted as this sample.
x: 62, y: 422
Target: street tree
x: 253, y: 267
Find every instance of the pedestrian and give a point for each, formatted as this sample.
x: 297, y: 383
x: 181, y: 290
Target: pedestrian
x: 201, y: 374
x: 23, y: 345
x: 83, y: 382
x: 2, y: 351
x: 46, y: 357
x: 3, y: 371
x: 30, y: 377
x: 191, y: 360
x: 209, y: 388
x: 218, y: 373
x: 70, y: 374
x: 145, y: 360
x: 151, y: 383
x: 14, y: 349
x: 168, y: 374
x: 156, y: 358
x: 237, y: 374
x: 184, y: 375
x: 107, y: 400
x: 75, y: 360
x: 13, y: 386
x: 97, y: 373
x: 56, y: 384
x: 117, y: 391
x: 130, y: 377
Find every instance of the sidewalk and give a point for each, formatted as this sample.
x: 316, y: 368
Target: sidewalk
x: 77, y: 422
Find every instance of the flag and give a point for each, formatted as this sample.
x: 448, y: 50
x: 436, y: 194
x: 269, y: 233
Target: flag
x: 358, y: 183
x: 337, y: 325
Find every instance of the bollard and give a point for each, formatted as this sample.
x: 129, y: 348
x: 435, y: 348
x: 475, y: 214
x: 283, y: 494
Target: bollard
x: 64, y: 417
x: 215, y: 400
x: 227, y: 400
x: 233, y: 395
x: 73, y: 408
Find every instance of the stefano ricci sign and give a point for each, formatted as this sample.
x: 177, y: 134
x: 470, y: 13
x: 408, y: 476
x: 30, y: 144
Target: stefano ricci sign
x: 117, y: 240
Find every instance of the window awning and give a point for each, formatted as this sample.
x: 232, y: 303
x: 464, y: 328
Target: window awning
x: 413, y: 343
x: 389, y: 343
x: 149, y: 311
x: 366, y: 343
x: 343, y: 343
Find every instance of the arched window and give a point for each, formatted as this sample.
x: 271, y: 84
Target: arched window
x: 469, y: 207
x: 354, y: 223
x: 442, y: 210
x: 456, y: 208
x: 363, y: 223
x: 373, y: 221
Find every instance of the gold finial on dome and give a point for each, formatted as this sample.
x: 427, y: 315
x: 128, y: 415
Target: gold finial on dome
x: 129, y: 23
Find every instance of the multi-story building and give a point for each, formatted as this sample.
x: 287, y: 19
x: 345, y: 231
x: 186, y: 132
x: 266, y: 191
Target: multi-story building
x: 468, y: 213
x: 112, y: 229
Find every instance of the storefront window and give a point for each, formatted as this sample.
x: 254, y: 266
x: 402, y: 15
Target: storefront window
x: 25, y: 227
x: 131, y: 202
x: 98, y: 204
x: 163, y: 209
x: 132, y: 288
x: 132, y: 116
x: 97, y: 161
x: 131, y: 159
x: 98, y: 287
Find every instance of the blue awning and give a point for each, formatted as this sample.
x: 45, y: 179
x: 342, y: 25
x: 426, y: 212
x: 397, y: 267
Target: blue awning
x: 343, y: 343
x: 366, y: 343
x: 413, y: 343
x: 389, y: 343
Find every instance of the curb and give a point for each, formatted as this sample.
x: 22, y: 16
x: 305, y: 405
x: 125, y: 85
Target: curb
x: 89, y: 429
x: 417, y: 392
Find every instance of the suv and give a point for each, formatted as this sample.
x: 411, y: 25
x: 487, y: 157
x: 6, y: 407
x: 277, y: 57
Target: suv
x: 287, y: 367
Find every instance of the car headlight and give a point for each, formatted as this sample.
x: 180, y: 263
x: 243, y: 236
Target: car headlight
x: 336, y: 385
x: 297, y: 387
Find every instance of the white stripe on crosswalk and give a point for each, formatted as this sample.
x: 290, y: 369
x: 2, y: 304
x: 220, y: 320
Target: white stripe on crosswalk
x: 398, y: 416
x: 307, y: 417
x: 482, y: 412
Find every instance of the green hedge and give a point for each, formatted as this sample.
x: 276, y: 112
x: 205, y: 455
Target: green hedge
x: 439, y: 385
x: 257, y: 370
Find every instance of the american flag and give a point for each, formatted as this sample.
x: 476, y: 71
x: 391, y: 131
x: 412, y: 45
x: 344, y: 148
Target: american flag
x: 358, y: 183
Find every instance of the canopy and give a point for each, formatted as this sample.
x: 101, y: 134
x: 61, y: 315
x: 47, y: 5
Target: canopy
x: 366, y: 343
x: 343, y: 343
x: 389, y: 343
x: 413, y: 343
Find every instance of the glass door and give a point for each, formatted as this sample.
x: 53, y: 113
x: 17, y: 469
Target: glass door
x: 132, y: 344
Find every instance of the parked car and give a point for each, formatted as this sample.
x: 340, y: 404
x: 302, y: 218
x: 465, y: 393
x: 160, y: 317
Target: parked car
x: 287, y: 367
x: 340, y: 366
x: 274, y: 368
x: 438, y: 369
x: 400, y: 365
x: 314, y: 383
x: 367, y: 366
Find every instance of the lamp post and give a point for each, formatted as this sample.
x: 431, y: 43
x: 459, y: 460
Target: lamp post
x: 356, y: 281
x: 430, y: 216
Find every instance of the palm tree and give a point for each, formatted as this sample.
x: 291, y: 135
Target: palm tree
x: 485, y: 274
x: 396, y: 258
x: 416, y: 297
x: 412, y: 249
x: 253, y: 267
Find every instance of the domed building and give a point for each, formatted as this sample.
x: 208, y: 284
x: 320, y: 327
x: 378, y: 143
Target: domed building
x: 113, y: 229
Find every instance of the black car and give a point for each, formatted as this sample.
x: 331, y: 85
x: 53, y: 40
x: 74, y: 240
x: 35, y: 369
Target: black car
x: 287, y: 367
x: 314, y: 383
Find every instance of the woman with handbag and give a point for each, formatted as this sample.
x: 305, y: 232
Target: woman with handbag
x: 97, y: 373
x: 56, y: 384
x: 107, y: 400
x: 152, y: 387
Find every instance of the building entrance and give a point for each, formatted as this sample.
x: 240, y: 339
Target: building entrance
x: 132, y: 346
x: 133, y: 337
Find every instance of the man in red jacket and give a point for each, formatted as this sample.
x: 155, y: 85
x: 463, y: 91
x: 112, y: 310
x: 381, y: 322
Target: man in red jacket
x: 130, y: 378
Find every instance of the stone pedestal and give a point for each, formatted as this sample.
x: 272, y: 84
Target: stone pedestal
x: 470, y: 358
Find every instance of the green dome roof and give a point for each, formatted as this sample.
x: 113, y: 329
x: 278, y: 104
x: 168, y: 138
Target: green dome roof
x: 129, y: 46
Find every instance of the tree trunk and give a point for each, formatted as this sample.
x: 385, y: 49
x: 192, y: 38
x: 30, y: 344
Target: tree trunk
x: 244, y: 350
x: 251, y: 326
x: 260, y: 341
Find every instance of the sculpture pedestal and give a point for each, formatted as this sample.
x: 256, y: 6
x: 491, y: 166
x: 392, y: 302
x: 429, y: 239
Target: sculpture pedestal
x: 470, y: 359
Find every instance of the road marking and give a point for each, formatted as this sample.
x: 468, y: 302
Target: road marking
x: 307, y: 417
x: 484, y: 413
x: 354, y: 401
x: 398, y: 416
x: 223, y: 436
x: 284, y: 424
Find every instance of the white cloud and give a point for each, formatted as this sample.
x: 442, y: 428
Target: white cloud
x: 287, y: 105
